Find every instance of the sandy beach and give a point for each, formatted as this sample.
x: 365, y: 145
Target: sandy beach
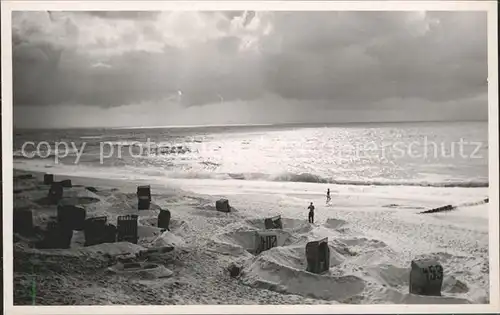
x: 373, y: 234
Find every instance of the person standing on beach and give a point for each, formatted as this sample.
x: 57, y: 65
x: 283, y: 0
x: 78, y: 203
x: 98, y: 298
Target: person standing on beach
x: 311, y: 213
x: 328, y: 196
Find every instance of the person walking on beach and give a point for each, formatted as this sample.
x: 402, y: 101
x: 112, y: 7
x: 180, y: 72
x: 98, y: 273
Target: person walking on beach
x: 328, y: 196
x: 311, y: 213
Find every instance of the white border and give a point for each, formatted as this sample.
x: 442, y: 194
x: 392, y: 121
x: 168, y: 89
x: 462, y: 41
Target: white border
x: 489, y: 6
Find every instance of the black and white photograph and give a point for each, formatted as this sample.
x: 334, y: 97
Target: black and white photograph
x: 230, y: 156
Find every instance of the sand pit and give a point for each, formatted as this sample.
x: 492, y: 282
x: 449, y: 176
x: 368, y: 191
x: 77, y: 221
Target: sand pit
x: 247, y: 240
x: 282, y: 269
x: 289, y: 224
x: 391, y: 276
x: 335, y: 223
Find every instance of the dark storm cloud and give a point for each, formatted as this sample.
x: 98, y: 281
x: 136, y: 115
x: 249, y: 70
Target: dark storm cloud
x: 344, y: 59
x: 354, y: 60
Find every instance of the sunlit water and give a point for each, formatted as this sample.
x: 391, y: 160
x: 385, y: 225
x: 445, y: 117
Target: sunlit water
x: 436, y: 154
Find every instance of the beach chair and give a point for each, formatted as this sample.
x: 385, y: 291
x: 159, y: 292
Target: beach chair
x: 56, y: 236
x: 55, y: 193
x: 222, y: 205
x: 265, y: 241
x: 110, y: 233
x: 23, y: 222
x: 143, y: 197
x: 318, y: 256
x: 127, y: 228
x: 71, y: 216
x: 95, y: 230
x: 164, y: 219
x: 426, y: 277
x: 273, y: 223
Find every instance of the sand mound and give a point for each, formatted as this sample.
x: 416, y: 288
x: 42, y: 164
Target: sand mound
x: 206, y: 207
x: 112, y: 249
x: 295, y: 227
x: 122, y: 202
x: 106, y: 249
x: 168, y: 239
x: 79, y: 196
x: 148, y: 220
x: 237, y: 241
x: 179, y: 227
x: 363, y: 253
x: 363, y: 242
x: 227, y: 249
x: 335, y: 223
x: 176, y: 226
x: 389, y: 275
x: 294, y: 256
x: 288, y: 224
x: 291, y: 256
x: 76, y: 196
x: 453, y: 285
x: 147, y: 234
x: 407, y: 298
x: 282, y: 269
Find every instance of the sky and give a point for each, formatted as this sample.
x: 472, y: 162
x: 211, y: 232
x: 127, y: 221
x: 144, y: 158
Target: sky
x: 156, y: 68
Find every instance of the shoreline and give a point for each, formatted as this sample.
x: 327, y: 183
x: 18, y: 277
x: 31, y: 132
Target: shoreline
x: 372, y: 233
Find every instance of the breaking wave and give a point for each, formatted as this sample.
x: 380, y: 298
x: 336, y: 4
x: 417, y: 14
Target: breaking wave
x: 311, y: 178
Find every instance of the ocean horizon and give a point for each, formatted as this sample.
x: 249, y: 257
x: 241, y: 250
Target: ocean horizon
x: 322, y: 153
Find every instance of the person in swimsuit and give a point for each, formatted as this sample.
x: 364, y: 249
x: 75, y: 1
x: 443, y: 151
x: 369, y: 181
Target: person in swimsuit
x: 311, y: 213
x: 328, y: 196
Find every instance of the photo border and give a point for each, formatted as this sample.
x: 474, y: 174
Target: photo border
x: 7, y: 159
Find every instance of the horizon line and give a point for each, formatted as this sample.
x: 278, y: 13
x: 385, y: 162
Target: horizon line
x: 251, y: 125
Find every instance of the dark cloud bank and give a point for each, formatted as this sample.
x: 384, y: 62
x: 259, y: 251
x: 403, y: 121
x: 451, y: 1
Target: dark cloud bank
x: 247, y: 67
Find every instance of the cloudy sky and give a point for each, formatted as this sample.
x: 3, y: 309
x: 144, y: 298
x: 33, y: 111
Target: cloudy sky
x: 85, y: 69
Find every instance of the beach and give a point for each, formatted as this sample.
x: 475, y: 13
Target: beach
x: 374, y: 232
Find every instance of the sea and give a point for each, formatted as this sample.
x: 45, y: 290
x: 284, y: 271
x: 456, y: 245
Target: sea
x: 441, y: 154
